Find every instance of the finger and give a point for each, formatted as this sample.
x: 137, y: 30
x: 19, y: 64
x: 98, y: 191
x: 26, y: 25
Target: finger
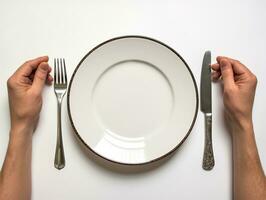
x: 216, y: 75
x: 230, y: 59
x: 227, y: 73
x: 238, y: 67
x: 29, y: 66
x: 31, y: 76
x: 50, y: 69
x: 40, y: 76
x: 215, y: 67
x: 49, y: 79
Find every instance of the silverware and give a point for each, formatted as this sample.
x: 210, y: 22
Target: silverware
x: 60, y: 86
x: 206, y: 108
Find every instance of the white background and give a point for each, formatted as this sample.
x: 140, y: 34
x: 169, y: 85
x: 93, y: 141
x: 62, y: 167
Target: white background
x: 70, y: 29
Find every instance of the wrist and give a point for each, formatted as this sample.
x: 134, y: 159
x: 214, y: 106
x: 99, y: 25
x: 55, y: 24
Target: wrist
x: 20, y: 140
x: 23, y: 124
x: 242, y: 127
x: 21, y: 131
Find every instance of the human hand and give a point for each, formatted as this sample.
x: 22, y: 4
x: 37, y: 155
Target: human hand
x: 239, y: 89
x: 25, y: 92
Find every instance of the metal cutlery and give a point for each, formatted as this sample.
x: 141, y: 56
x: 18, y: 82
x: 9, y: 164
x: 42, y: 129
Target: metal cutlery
x: 206, y: 108
x: 60, y: 87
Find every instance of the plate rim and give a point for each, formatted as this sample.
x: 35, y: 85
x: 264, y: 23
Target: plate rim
x: 158, y: 158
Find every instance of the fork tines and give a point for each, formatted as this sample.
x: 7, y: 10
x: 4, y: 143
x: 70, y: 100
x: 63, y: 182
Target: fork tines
x: 60, y: 75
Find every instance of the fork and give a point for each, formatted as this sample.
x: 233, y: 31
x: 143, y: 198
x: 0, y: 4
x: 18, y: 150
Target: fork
x: 60, y: 87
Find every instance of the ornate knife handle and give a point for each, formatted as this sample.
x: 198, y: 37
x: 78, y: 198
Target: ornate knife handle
x: 208, y: 158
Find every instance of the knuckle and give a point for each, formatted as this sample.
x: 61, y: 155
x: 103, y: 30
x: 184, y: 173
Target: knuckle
x: 226, y: 69
x: 223, y: 60
x: 35, y: 94
x: 41, y: 75
x: 238, y: 63
x: 10, y: 82
x: 253, y: 78
x: 228, y: 92
x: 26, y: 63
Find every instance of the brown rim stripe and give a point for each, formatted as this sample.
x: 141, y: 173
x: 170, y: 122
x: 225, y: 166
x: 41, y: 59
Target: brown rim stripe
x: 147, y: 38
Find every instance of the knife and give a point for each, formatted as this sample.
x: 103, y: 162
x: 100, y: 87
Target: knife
x: 206, y: 108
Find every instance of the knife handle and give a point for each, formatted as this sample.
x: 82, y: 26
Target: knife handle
x: 208, y: 158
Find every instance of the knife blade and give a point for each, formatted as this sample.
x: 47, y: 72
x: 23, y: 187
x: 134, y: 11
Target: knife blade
x: 206, y: 108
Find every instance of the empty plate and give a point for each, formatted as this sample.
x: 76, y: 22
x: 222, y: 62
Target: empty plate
x: 132, y: 100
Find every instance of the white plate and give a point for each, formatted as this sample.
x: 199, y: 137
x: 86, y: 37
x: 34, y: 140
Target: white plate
x: 132, y: 100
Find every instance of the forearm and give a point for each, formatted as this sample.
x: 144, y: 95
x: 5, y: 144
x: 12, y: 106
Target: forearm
x: 249, y: 179
x: 15, y: 177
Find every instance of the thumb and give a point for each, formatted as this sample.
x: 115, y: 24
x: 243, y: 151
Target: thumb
x: 227, y: 73
x: 40, y: 76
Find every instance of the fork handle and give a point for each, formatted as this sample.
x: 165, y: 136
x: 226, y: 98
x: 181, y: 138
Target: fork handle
x: 59, y: 160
